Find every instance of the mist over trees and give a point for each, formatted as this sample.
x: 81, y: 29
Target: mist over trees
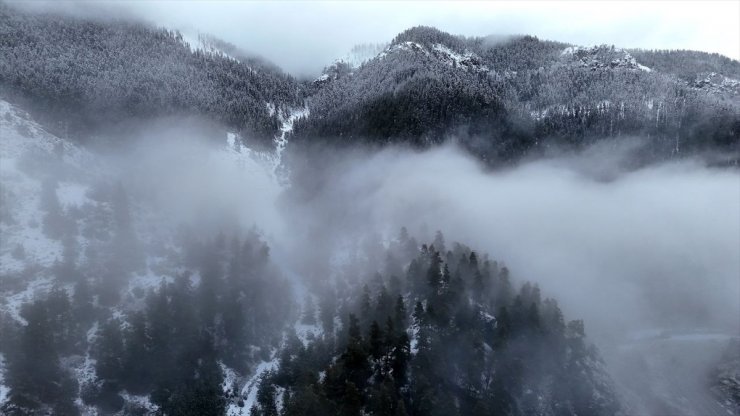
x: 425, y: 342
x: 250, y: 267
x: 227, y: 307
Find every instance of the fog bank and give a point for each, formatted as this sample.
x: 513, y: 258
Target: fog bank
x: 625, y: 250
x: 654, y: 247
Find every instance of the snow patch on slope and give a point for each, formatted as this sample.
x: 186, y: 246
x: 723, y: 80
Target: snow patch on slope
x: 601, y: 57
x: 27, y: 154
x: 249, y: 391
x: 467, y: 61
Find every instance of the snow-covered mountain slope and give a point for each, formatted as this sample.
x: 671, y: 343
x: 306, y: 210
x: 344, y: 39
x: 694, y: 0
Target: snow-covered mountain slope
x: 465, y: 61
x: 360, y: 54
x: 29, y: 158
x: 44, y: 177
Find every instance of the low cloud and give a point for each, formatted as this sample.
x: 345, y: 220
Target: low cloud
x: 652, y: 247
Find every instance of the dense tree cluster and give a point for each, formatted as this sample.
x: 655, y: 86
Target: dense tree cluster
x: 450, y: 336
x: 88, y: 75
x: 520, y: 53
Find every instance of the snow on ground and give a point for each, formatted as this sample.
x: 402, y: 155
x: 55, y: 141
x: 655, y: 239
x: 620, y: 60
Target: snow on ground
x: 466, y: 61
x: 22, y: 142
x: 83, y: 368
x: 487, y: 317
x: 414, y: 341
x: 307, y: 332
x: 72, y: 194
x: 12, y: 303
x: 27, y: 155
x: 23, y: 225
x: 20, y: 138
x: 279, y: 396
x: 230, y: 377
x: 286, y: 127
x: 249, y: 391
x: 140, y: 401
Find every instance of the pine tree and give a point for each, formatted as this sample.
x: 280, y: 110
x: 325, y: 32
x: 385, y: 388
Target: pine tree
x: 109, y: 368
x: 399, y: 314
x: 375, y: 340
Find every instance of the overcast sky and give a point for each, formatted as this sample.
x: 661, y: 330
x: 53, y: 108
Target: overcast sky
x: 303, y: 36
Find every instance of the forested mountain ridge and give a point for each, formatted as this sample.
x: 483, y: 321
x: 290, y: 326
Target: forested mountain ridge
x: 84, y: 76
x: 500, y: 97
x: 505, y: 98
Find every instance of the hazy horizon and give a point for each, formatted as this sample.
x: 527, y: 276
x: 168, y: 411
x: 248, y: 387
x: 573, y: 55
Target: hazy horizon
x: 304, y: 37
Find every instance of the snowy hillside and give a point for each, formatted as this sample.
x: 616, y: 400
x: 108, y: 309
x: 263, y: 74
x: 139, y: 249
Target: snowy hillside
x: 187, y: 230
x: 58, y: 221
x: 31, y: 157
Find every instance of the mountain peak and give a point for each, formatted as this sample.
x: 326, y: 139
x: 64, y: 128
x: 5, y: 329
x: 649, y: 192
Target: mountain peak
x: 601, y: 57
x: 428, y: 36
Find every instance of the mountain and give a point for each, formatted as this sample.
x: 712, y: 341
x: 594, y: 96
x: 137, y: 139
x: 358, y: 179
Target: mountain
x: 502, y: 98
x: 506, y: 98
x: 84, y: 76
x: 134, y: 282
